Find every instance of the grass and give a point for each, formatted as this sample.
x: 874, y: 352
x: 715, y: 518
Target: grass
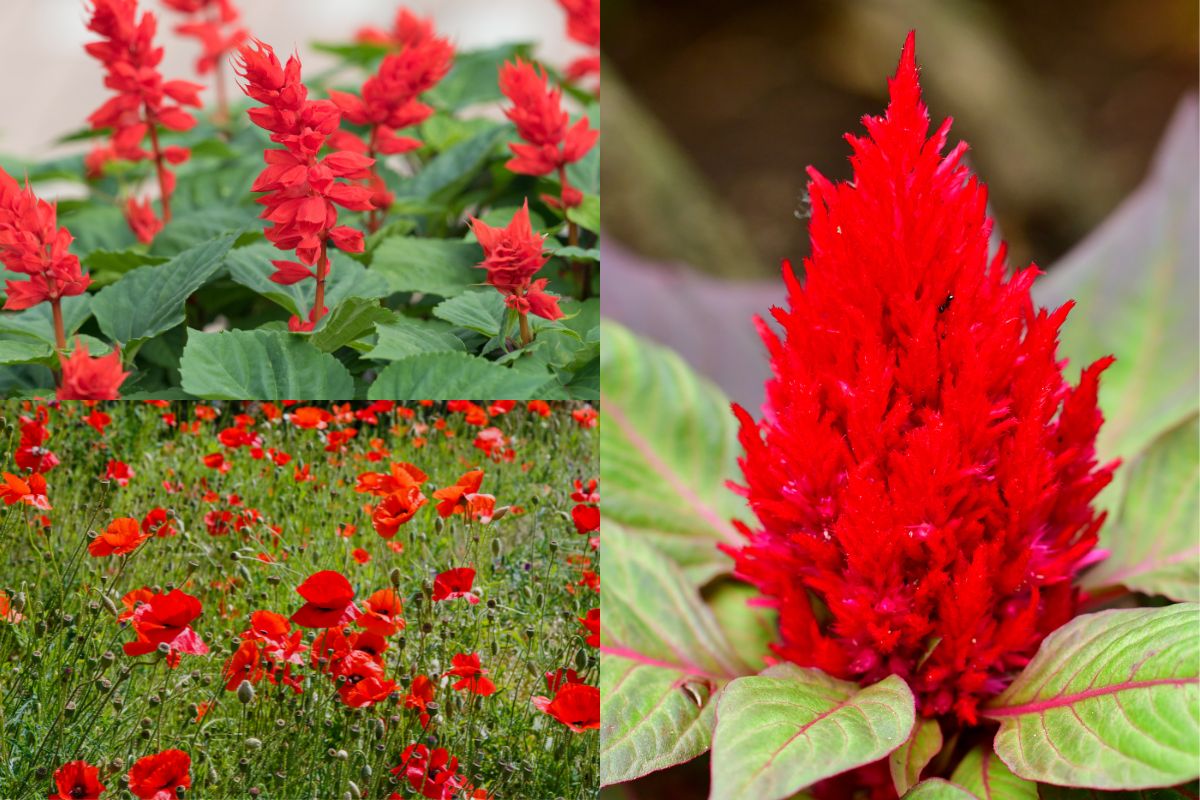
x: 68, y: 691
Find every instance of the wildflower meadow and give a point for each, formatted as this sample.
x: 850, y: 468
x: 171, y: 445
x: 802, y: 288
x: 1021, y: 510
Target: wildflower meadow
x: 413, y: 220
x: 299, y: 601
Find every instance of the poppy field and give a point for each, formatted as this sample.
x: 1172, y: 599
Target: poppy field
x: 292, y: 601
x: 416, y: 220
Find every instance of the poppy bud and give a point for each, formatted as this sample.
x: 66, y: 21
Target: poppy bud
x: 253, y: 743
x: 341, y: 755
x: 553, y: 546
x: 245, y: 691
x: 18, y: 602
x: 500, y: 513
x: 274, y: 580
x: 163, y: 648
x: 109, y: 604
x: 155, y: 700
x: 394, y: 576
x: 146, y: 722
x: 581, y: 660
x: 366, y: 772
x: 69, y: 708
x: 235, y: 556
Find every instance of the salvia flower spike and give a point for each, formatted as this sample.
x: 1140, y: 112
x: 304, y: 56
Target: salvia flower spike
x: 923, y: 474
x: 212, y: 23
x: 300, y: 186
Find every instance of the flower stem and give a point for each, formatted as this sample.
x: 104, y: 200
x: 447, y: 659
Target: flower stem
x: 526, y: 333
x: 582, y: 270
x: 60, y: 336
x: 318, y: 309
x: 162, y: 173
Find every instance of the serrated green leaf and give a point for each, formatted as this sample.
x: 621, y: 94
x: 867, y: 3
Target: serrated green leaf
x: 119, y: 261
x: 404, y: 337
x: 188, y: 230
x: 473, y: 78
x: 261, y: 365
x: 669, y: 445
x: 587, y: 214
x: 444, y: 267
x: 455, y: 167
x: 352, y: 319
x: 39, y: 321
x: 149, y: 300
x: 1153, y: 547
x: 449, y: 376
x: 788, y: 728
x: 23, y: 348
x: 97, y: 227
x: 251, y: 267
x: 482, y: 312
x: 663, y: 661
x: 578, y: 253
x: 1111, y: 701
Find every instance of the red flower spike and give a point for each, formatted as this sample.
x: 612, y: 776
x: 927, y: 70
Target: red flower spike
x: 211, y: 23
x: 156, y: 777
x: 330, y: 601
x: 923, y: 473
x: 87, y: 378
x: 77, y: 780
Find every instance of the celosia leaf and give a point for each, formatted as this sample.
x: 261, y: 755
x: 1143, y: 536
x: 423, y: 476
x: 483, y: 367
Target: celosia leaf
x: 906, y: 762
x: 445, y: 267
x: 1186, y: 792
x: 149, y: 300
x: 404, y: 336
x: 1135, y: 282
x: 986, y: 776
x: 750, y: 628
x: 663, y: 661
x: 1152, y: 541
x: 251, y: 267
x: 38, y: 320
x: 447, y: 376
x: 789, y: 727
x: 1110, y: 701
x: 668, y: 447
x: 349, y: 321
x: 939, y: 789
x: 260, y: 365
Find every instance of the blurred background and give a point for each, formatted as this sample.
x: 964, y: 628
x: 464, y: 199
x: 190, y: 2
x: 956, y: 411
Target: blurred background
x: 714, y: 109
x: 49, y: 84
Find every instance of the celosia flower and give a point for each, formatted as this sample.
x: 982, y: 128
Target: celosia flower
x: 433, y: 774
x: 330, y: 601
x: 550, y: 141
x: 923, y: 474
x: 583, y: 25
x: 455, y: 583
x: 88, y: 378
x: 77, y: 780
x: 383, y: 613
x: 30, y: 492
x: 466, y: 667
x: 575, y: 705
x: 512, y: 256
x: 31, y: 243
x: 121, y: 537
x: 301, y: 187
x: 156, y: 777
x: 144, y: 102
x: 166, y: 619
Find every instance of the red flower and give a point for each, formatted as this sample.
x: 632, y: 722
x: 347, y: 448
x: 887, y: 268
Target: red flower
x: 455, y: 583
x: 98, y: 420
x: 118, y: 471
x: 575, y: 705
x: 310, y: 418
x: 166, y: 619
x: 7, y: 612
x: 420, y: 695
x: 361, y: 680
x: 539, y: 407
x: 467, y: 668
x: 512, y: 256
x: 561, y: 677
x: 434, y: 775
x: 586, y: 494
x: 157, y: 777
x: 586, y: 518
x: 87, y: 378
x: 158, y: 523
x: 550, y: 141
x: 591, y: 624
x: 77, y: 780
x: 208, y: 27
x: 244, y: 665
x: 301, y: 188
x: 31, y: 492
x: 144, y: 102
x: 360, y: 555
x: 142, y: 220
x: 923, y: 475
x: 458, y: 499
x: 31, y: 455
x: 587, y: 417
x: 382, y: 615
x: 122, y: 536
x: 408, y: 30
x: 330, y: 601
x: 403, y: 476
x: 395, y: 510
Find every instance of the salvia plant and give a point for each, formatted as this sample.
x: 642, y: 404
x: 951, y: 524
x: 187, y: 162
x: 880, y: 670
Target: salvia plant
x: 299, y: 600
x: 417, y: 221
x: 928, y: 567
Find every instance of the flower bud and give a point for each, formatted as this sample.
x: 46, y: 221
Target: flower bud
x: 245, y: 691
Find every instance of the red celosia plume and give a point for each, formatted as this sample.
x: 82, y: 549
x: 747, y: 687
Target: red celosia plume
x: 923, y: 473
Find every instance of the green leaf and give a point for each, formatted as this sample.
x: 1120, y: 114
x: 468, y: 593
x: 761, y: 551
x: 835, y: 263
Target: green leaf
x: 986, y: 776
x: 405, y: 337
x: 1188, y: 792
x: 788, y: 728
x: 669, y: 445
x: 188, y: 230
x: 251, y: 267
x: 149, y: 300
x: 1152, y: 542
x: 578, y: 253
x: 473, y: 78
x: 750, y: 628
x: 363, y: 54
x: 482, y: 312
x: 350, y: 320
x: 449, y: 376
x: 445, y: 267
x: 453, y: 168
x: 1110, y: 701
x: 23, y: 348
x: 119, y: 261
x: 663, y: 660
x: 97, y: 227
x: 261, y: 365
x: 587, y: 214
x: 39, y: 321
x: 939, y: 789
x: 907, y: 761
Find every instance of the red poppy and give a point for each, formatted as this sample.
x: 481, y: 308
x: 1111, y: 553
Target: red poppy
x: 396, y: 509
x: 360, y: 555
x: 98, y: 420
x: 420, y: 695
x: 309, y: 417
x: 402, y: 476
x: 592, y: 624
x: 122, y: 536
x: 131, y: 600
x: 118, y: 471
x: 158, y: 523
x: 244, y: 665
x: 467, y: 667
x: 77, y: 780
x: 361, y: 680
x: 382, y: 614
x: 330, y: 601
x: 561, y: 677
x: 31, y: 492
x: 156, y: 777
x: 539, y: 407
x: 455, y: 583
x: 455, y: 499
x: 433, y: 774
x: 587, y: 417
x: 7, y: 612
x: 575, y: 705
x: 586, y: 518
x: 166, y: 619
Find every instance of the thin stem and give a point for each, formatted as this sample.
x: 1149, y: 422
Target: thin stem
x: 376, y: 216
x: 526, y: 333
x: 60, y: 336
x: 582, y: 270
x: 162, y: 173
x: 318, y: 309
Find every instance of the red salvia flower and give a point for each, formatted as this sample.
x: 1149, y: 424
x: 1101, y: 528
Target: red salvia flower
x: 408, y: 30
x: 923, y: 473
x: 144, y: 102
x: 156, y: 777
x: 330, y: 601
x: 301, y: 188
x: 121, y: 537
x: 550, y: 141
x: 142, y: 220
x: 466, y: 667
x: 455, y: 583
x: 77, y: 780
x: 583, y: 25
x: 575, y: 705
x: 211, y: 23
x: 90, y: 378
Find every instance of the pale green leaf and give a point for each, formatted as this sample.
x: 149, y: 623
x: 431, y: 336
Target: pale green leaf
x: 915, y: 754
